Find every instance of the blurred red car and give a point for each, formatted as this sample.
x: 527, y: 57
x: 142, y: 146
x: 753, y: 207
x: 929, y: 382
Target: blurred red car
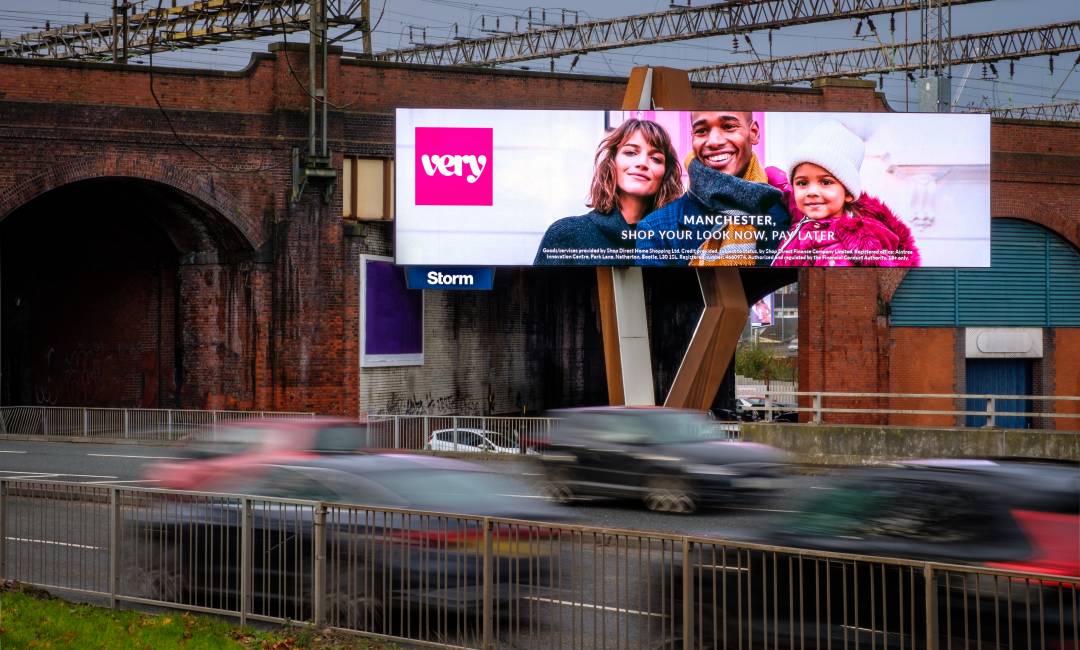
x: 237, y: 447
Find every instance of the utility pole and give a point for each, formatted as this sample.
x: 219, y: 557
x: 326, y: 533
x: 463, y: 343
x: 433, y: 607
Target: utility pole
x: 935, y: 87
x: 365, y: 17
x: 317, y: 164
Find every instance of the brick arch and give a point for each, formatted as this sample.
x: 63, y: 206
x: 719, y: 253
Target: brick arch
x: 202, y: 187
x: 1063, y: 225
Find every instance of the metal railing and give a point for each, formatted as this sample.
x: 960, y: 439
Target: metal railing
x: 112, y: 423
x: 782, y: 402
x: 487, y: 582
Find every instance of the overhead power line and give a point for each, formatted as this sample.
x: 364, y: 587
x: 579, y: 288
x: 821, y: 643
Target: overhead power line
x: 192, y: 25
x: 971, y: 48
x: 676, y: 24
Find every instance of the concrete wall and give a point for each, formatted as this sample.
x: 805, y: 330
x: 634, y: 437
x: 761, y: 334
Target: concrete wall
x: 863, y: 445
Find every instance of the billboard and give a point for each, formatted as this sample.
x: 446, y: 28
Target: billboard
x: 682, y: 188
x: 761, y: 313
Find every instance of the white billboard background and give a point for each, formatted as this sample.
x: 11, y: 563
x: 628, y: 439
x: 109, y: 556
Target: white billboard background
x: 932, y: 170
x: 542, y: 165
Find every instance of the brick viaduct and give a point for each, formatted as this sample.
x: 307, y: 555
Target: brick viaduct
x: 151, y: 256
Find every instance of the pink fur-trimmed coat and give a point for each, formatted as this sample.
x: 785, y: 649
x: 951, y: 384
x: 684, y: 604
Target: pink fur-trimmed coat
x: 870, y: 235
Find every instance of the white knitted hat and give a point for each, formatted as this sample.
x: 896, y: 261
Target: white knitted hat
x: 833, y: 147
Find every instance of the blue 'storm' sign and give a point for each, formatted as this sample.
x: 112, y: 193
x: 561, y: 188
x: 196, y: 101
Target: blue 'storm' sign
x: 469, y: 278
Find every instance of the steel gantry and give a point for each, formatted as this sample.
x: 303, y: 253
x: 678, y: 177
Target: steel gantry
x: 1063, y: 112
x: 187, y: 26
x: 676, y: 24
x: 971, y: 48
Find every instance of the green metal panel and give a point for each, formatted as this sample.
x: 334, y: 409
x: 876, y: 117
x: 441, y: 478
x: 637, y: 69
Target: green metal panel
x: 1033, y: 281
x: 1064, y: 281
x: 927, y: 297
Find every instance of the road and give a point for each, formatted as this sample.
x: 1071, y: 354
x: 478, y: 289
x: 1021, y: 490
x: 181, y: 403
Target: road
x: 124, y: 465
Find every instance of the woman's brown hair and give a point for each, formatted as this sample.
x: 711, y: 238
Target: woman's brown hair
x: 603, y: 194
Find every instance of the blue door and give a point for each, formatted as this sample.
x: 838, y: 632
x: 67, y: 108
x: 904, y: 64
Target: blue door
x: 999, y: 377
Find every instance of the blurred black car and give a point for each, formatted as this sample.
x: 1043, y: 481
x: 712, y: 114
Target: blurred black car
x: 668, y: 458
x: 379, y: 562
x: 996, y: 514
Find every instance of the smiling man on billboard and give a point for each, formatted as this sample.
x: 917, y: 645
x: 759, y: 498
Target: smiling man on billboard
x: 730, y: 212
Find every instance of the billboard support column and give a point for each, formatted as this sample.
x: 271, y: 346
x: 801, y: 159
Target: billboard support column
x: 627, y: 358
x: 713, y: 344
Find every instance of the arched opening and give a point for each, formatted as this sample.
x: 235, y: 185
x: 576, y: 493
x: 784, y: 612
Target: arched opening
x: 90, y: 292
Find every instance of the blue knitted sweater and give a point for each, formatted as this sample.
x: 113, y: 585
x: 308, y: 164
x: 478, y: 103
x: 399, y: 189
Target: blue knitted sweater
x: 593, y: 239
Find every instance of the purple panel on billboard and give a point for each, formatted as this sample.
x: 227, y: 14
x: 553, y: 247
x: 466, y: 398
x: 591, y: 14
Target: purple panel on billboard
x: 393, y: 314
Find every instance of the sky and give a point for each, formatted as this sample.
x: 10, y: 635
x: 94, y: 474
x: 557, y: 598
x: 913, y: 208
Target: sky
x: 438, y: 20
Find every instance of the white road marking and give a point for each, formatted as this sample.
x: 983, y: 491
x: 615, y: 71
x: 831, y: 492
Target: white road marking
x: 5, y: 451
x: 125, y: 456
x: 46, y: 541
x: 821, y: 487
x: 50, y: 474
x: 141, y: 480
x: 619, y: 610
x: 757, y: 509
x: 524, y: 496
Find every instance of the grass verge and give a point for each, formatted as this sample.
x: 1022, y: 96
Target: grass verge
x: 32, y: 618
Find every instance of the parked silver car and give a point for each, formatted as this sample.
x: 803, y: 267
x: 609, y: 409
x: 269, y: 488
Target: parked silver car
x: 467, y: 439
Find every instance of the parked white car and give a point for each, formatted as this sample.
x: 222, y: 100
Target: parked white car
x: 475, y: 440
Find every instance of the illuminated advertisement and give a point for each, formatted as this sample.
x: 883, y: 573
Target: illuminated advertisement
x: 691, y: 188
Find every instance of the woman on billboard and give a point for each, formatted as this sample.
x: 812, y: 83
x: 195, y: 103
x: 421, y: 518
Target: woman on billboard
x: 837, y: 224
x: 636, y: 171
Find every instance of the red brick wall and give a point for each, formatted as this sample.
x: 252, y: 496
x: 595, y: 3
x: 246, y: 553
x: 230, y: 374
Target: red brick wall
x: 923, y: 360
x: 1067, y: 375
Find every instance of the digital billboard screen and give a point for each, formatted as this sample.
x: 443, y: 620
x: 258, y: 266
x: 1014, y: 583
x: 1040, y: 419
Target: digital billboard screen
x: 691, y: 188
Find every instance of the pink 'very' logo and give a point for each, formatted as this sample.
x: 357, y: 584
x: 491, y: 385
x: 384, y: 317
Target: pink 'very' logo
x: 453, y: 166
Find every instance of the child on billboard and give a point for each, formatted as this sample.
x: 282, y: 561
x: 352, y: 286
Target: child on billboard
x: 636, y: 171
x: 836, y: 223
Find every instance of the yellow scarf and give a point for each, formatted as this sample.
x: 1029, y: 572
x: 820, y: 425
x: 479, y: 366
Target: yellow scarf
x: 712, y: 252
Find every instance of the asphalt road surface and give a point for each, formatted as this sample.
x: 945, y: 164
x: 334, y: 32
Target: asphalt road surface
x: 124, y: 465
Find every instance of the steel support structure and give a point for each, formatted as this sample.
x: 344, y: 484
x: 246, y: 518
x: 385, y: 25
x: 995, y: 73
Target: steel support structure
x: 200, y: 23
x: 675, y: 24
x: 1063, y: 112
x: 1041, y: 40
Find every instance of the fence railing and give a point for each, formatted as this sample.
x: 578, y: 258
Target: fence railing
x: 133, y: 424
x: 989, y: 410
x: 488, y: 582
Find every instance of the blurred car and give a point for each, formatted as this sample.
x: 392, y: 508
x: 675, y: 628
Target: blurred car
x: 475, y: 440
x: 998, y: 514
x: 231, y: 448
x: 668, y: 458
x: 380, y: 561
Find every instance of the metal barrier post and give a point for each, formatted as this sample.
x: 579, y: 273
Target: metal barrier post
x: 3, y: 529
x: 991, y: 412
x: 319, y: 563
x: 114, y: 545
x: 817, y: 408
x: 487, y: 571
x: 126, y: 430
x: 931, y: 607
x: 245, y: 560
x: 397, y: 432
x: 45, y: 422
x: 457, y: 433
x: 768, y: 408
x: 687, y: 603
x: 427, y: 432
x: 86, y: 423
x: 168, y: 419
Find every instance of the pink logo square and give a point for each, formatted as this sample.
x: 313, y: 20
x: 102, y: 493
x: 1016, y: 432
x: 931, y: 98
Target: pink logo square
x: 453, y: 166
